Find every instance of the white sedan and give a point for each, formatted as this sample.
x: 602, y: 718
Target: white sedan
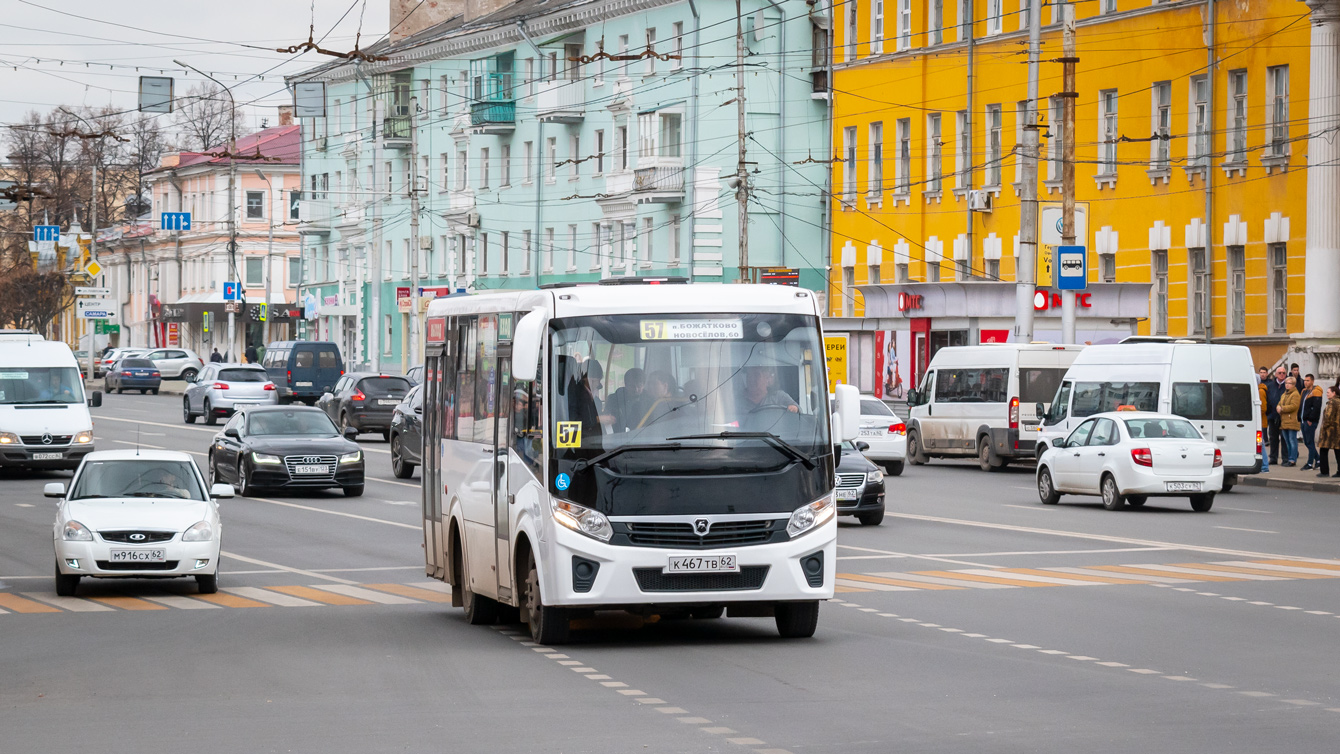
x: 885, y: 433
x: 1129, y: 457
x: 145, y: 513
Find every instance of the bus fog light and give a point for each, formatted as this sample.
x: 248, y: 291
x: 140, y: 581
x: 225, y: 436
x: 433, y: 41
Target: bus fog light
x: 583, y: 520
x: 811, y: 516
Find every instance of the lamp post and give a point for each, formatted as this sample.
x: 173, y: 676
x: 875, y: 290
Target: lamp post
x: 269, y: 251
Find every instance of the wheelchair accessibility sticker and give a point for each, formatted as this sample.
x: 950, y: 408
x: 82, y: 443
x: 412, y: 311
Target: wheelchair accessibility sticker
x: 562, y: 481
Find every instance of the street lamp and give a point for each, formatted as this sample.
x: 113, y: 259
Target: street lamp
x: 269, y: 251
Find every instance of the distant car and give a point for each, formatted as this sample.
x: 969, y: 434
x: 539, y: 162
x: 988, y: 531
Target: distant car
x: 415, y: 375
x: 407, y: 434
x: 885, y: 433
x: 860, y: 485
x: 1129, y: 457
x: 220, y: 389
x: 285, y: 446
x: 365, y: 401
x: 176, y: 363
x: 102, y: 363
x: 132, y: 374
x: 139, y: 514
x: 303, y: 370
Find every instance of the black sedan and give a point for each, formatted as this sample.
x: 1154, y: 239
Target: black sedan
x: 860, y: 485
x: 365, y: 401
x: 285, y: 446
x: 132, y: 374
x: 407, y: 434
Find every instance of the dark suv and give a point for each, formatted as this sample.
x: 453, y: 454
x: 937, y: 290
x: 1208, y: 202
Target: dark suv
x: 365, y: 401
x: 303, y: 370
x: 860, y: 485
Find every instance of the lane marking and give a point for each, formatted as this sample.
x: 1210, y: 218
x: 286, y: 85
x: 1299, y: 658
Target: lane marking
x: 129, y: 603
x: 382, y: 598
x: 977, y: 577
x: 1264, y: 572
x: 17, y: 604
x: 1327, y: 565
x: 1035, y: 579
x: 273, y: 598
x: 99, y: 418
x: 140, y: 444
x: 1076, y: 578
x: 299, y: 571
x: 181, y: 603
x: 333, y: 513
x: 913, y: 555
x: 1050, y: 552
x: 1030, y: 507
x: 1150, y: 572
x: 319, y: 595
x: 230, y: 600
x: 1160, y: 580
x: 865, y: 579
x: 864, y: 586
x: 1195, y: 568
x: 413, y: 592
x: 73, y: 604
x: 1256, y: 531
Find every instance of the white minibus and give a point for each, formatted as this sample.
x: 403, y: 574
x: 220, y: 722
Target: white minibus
x: 44, y: 420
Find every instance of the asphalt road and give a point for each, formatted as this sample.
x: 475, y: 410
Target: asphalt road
x: 957, y: 628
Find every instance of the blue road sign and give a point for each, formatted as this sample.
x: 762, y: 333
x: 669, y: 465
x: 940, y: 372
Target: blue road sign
x: 1072, y: 268
x: 175, y: 221
x: 230, y: 291
x: 46, y: 232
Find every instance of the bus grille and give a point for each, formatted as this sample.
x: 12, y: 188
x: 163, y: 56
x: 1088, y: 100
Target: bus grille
x: 654, y: 580
x: 722, y: 534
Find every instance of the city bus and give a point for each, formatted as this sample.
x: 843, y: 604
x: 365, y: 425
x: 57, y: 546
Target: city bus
x: 644, y: 445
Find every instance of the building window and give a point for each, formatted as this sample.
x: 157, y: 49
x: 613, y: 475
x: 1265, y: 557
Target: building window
x: 390, y: 178
x: 993, y: 16
x: 1055, y: 138
x: 550, y: 159
x: 876, y: 26
x: 1020, y: 120
x: 872, y: 275
x: 992, y: 269
x: 548, y: 250
x: 484, y: 168
x: 1160, y: 265
x: 876, y: 160
x: 674, y: 240
x: 1237, y: 125
x: 904, y: 24
x: 505, y: 252
x: 600, y: 151
x: 677, y: 61
x: 849, y: 163
x: 294, y: 199
x: 1279, y: 287
x: 572, y: 248
x: 900, y: 275
x: 462, y: 179
x: 575, y: 156
x: 963, y: 154
x: 482, y: 251
x: 1107, y: 268
x: 932, y: 271
x: 1237, y: 279
x: 848, y: 292
x: 1199, y: 148
x: 1107, y: 132
x: 963, y: 269
x: 650, y: 69
x: 902, y: 169
x: 255, y: 205
x: 1107, y: 6
x: 294, y: 272
x: 506, y: 155
x: 993, y: 147
x: 255, y: 271
x: 598, y: 244
x: 1161, y: 147
x: 528, y: 155
x: 934, y: 147
x: 1200, y: 275
x: 1024, y: 14
x: 623, y: 50
x: 644, y: 244
x: 1277, y: 110
x: 388, y: 333
x: 853, y: 13
x: 621, y: 147
x: 937, y: 22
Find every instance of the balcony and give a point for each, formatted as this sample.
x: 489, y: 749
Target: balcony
x: 348, y: 216
x: 819, y: 84
x: 395, y: 131
x: 493, y: 116
x: 314, y: 217
x: 618, y: 182
x: 560, y: 101
x: 662, y: 183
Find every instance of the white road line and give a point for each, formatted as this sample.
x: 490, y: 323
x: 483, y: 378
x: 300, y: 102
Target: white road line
x: 99, y: 418
x: 1248, y: 510
x: 914, y: 555
x: 415, y: 527
x: 24, y: 505
x: 1206, y: 572
x: 1254, y: 531
x: 73, y: 604
x: 378, y: 597
x: 1281, y: 568
x: 1030, y: 577
x: 1031, y: 507
x: 299, y: 571
x: 273, y: 598
x: 364, y: 570
x: 1047, y: 552
x: 965, y: 583
x: 873, y: 586
x: 139, y: 444
x: 182, y: 603
x: 1161, y: 580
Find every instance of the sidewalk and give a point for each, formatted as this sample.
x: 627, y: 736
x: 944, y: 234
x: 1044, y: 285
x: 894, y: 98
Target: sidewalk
x: 1293, y: 478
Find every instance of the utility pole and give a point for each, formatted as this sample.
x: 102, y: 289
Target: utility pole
x: 1024, y: 286
x: 375, y: 254
x: 269, y: 254
x: 1068, y: 96
x: 741, y: 170
x: 410, y: 356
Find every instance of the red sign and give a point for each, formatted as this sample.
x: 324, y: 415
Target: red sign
x: 403, y: 299
x: 908, y: 301
x: 1042, y: 301
x: 995, y: 336
x: 174, y: 333
x: 436, y: 331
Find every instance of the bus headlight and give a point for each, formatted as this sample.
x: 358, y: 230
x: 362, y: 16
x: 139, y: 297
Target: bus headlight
x: 9, y: 438
x: 84, y: 438
x: 584, y: 520
x: 811, y: 517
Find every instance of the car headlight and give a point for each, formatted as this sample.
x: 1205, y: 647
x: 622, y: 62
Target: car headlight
x: 583, y: 520
x: 201, y: 532
x: 9, y: 438
x: 810, y: 517
x: 265, y: 458
x: 77, y: 532
x: 84, y: 438
x: 874, y: 476
x: 353, y: 457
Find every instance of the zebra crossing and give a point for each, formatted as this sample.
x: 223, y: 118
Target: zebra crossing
x: 316, y: 595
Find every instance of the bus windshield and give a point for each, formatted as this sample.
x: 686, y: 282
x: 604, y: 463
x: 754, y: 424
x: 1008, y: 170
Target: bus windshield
x: 685, y: 395
x: 40, y: 385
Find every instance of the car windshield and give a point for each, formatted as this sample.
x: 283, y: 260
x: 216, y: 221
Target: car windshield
x: 140, y: 363
x: 384, y: 387
x: 138, y: 478
x: 290, y: 423
x: 243, y: 375
x: 1153, y: 429
x: 20, y: 385
x: 872, y: 407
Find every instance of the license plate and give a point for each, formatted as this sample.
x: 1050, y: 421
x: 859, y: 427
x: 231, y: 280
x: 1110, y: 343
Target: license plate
x: 139, y: 556
x: 1183, y: 486
x: 48, y: 456
x: 304, y: 384
x: 872, y: 432
x: 311, y: 469
x: 388, y: 403
x: 703, y: 564
x: 848, y: 494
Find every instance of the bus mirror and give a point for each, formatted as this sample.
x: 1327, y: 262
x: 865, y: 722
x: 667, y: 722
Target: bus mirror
x: 848, y: 412
x: 526, y: 342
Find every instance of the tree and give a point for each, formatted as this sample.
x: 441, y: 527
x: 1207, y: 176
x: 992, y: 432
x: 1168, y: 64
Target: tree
x: 206, y: 118
x: 32, y: 300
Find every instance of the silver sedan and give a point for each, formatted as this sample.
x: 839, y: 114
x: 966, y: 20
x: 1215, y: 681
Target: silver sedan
x: 220, y: 389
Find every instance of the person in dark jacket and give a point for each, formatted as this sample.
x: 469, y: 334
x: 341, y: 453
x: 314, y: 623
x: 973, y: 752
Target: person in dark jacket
x: 1309, y: 416
x: 251, y: 354
x: 216, y: 357
x: 1275, y: 391
x: 1329, y: 438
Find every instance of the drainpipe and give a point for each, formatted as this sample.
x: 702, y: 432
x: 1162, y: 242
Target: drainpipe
x: 1212, y: 63
x: 781, y: 122
x: 693, y: 146
x: 539, y: 150
x: 972, y: 48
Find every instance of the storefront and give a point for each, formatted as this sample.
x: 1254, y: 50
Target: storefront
x: 889, y: 348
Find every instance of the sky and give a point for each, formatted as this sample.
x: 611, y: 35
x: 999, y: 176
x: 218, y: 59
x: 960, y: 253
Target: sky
x: 50, y: 56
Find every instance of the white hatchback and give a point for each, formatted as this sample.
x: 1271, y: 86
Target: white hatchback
x: 1130, y: 456
x: 137, y: 513
x: 885, y: 433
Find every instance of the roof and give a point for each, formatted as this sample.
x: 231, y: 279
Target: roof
x: 281, y: 142
x: 142, y: 454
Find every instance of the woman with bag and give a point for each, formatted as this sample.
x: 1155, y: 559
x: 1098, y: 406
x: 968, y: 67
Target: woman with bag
x: 1289, y: 423
x: 1328, y: 432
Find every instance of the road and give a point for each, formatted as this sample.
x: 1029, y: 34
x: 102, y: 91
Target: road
x: 973, y: 619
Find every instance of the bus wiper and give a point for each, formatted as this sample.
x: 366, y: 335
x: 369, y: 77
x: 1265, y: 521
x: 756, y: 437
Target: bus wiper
x: 584, y: 463
x: 772, y: 440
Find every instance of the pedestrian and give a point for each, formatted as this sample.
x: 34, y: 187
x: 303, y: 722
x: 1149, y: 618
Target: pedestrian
x: 1309, y: 416
x: 1289, y: 424
x: 1274, y: 391
x: 1329, y: 438
x: 1265, y: 426
x: 251, y: 354
x: 216, y: 357
x: 1262, y: 374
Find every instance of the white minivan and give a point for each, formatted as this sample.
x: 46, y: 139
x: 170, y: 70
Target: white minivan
x: 44, y: 419
x: 1212, y: 385
x: 982, y: 401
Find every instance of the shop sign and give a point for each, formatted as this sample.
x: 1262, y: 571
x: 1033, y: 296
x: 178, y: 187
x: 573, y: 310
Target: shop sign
x: 909, y: 301
x: 1045, y: 300
x: 835, y: 354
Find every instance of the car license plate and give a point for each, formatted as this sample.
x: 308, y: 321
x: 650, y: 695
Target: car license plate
x: 703, y: 564
x: 48, y: 456
x: 311, y: 469
x: 388, y: 403
x: 1183, y: 486
x: 871, y: 431
x: 138, y: 556
x: 304, y: 384
x: 848, y: 494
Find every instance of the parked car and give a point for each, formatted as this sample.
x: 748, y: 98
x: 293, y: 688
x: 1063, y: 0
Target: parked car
x: 407, y: 434
x: 176, y: 363
x: 415, y: 375
x: 885, y: 433
x: 1129, y: 457
x: 860, y: 485
x: 285, y: 446
x: 303, y: 370
x: 137, y: 513
x: 220, y: 389
x: 132, y: 373
x: 365, y: 401
x: 102, y: 363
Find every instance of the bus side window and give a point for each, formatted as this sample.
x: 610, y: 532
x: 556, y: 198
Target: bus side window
x: 528, y: 422
x: 1060, y: 404
x: 465, y: 379
x: 486, y: 378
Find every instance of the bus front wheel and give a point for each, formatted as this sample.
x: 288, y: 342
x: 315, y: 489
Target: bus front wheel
x: 796, y: 620
x: 548, y: 625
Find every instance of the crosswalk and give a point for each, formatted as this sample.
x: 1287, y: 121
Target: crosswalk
x: 19, y: 603
x: 1099, y: 575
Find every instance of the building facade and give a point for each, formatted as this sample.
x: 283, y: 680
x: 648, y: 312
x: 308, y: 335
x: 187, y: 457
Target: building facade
x: 562, y: 141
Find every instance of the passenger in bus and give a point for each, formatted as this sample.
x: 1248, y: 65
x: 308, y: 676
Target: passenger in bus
x: 759, y: 392
x: 660, y: 391
x: 630, y: 402
x: 584, y: 403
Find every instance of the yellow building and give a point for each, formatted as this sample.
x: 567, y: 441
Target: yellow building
x: 928, y: 115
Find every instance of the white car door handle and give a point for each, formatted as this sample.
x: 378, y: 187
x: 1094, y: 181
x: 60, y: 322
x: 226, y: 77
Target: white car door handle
x: 1102, y: 454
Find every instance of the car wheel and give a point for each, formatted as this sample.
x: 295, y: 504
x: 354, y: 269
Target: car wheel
x: 914, y: 454
x: 1113, y: 500
x: 1229, y: 481
x: 1047, y: 488
x: 873, y: 518
x: 479, y: 611
x: 796, y: 620
x: 66, y: 584
x: 210, y: 418
x: 186, y: 414
x: 188, y: 374
x: 353, y: 490
x: 386, y: 435
x: 399, y: 466
x: 213, y: 473
x: 144, y: 391
x: 548, y: 625
x: 344, y: 422
x: 1135, y: 501
x: 1203, y: 502
x: 244, y: 485
x: 893, y: 468
x: 986, y: 456
x: 207, y: 583
x: 154, y: 391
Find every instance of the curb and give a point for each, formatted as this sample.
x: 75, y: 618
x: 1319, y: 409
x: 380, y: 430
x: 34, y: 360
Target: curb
x: 1257, y: 480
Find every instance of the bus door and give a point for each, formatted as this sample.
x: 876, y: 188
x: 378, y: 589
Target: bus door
x: 502, y: 492
x: 428, y: 488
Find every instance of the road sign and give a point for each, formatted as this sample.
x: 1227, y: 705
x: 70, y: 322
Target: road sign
x: 230, y: 292
x: 232, y: 307
x: 96, y: 308
x: 155, y: 94
x: 175, y: 221
x: 1072, y: 268
x: 309, y: 99
x: 85, y: 291
x: 101, y: 327
x: 46, y: 232
x: 93, y: 269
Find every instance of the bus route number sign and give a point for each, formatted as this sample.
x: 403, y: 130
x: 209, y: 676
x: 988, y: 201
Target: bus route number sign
x: 692, y: 329
x: 568, y: 435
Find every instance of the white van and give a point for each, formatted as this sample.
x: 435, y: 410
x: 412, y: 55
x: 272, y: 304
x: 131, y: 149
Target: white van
x: 44, y: 420
x: 1212, y: 385
x: 982, y: 401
